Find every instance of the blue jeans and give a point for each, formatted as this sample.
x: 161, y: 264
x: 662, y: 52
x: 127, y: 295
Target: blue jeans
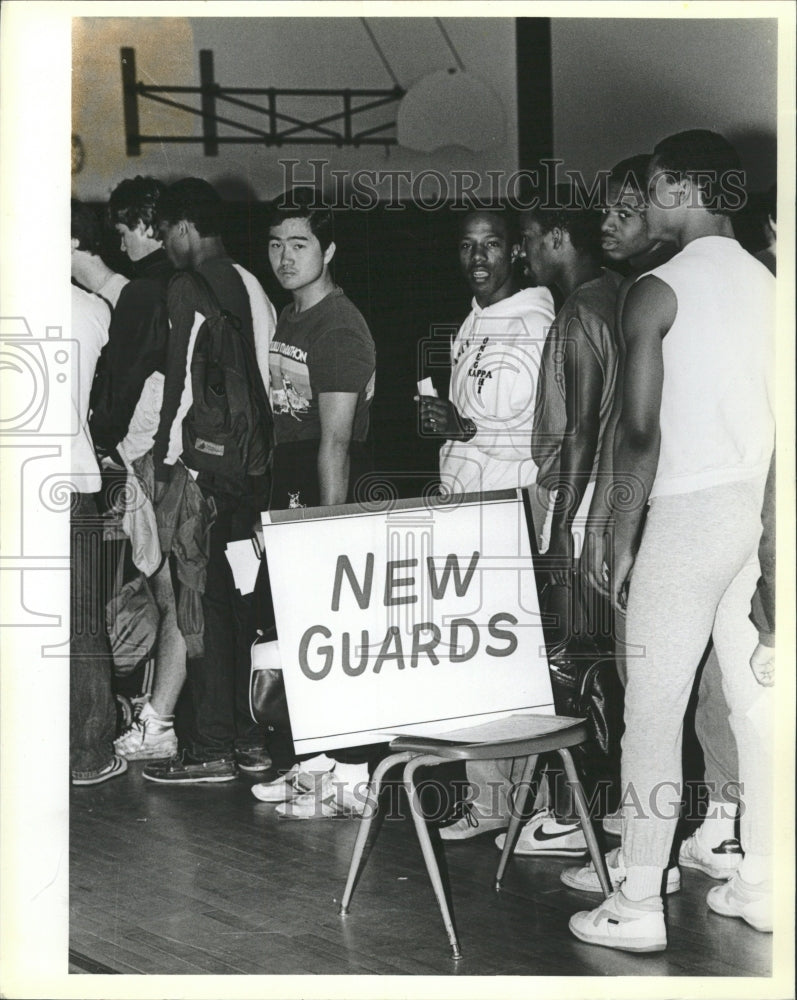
x: 92, y: 715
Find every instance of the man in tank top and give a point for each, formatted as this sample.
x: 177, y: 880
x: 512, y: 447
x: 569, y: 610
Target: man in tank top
x: 694, y: 440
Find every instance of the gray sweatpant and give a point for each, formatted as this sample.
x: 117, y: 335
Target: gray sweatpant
x: 713, y: 730
x: 712, y: 722
x: 694, y: 575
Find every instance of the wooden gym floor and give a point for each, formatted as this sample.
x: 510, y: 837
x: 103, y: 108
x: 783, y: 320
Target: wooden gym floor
x: 205, y: 879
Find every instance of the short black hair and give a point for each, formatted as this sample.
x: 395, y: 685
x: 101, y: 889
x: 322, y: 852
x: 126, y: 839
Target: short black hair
x: 304, y: 203
x: 135, y: 200
x: 86, y: 227
x: 505, y: 213
x: 564, y: 208
x: 192, y: 200
x: 632, y: 172
x: 710, y: 159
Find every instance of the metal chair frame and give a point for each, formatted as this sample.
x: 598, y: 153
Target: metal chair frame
x: 416, y: 752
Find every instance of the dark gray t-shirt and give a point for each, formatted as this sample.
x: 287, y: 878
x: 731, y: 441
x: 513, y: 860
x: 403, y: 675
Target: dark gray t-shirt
x: 327, y: 348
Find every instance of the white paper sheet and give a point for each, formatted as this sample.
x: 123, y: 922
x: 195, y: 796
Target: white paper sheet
x: 244, y: 564
x: 426, y: 387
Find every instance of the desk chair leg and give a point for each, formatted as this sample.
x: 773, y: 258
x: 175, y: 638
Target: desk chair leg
x: 517, y: 805
x: 367, y: 819
x: 586, y: 823
x: 427, y: 848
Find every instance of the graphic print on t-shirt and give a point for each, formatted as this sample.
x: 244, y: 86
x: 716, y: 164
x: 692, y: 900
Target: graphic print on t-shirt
x: 291, y: 392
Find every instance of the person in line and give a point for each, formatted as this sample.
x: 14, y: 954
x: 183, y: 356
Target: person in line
x: 574, y: 400
x: 126, y: 402
x: 135, y: 358
x: 486, y: 424
x: 220, y: 737
x: 322, y: 363
x: 92, y: 714
x: 694, y: 440
x: 713, y: 847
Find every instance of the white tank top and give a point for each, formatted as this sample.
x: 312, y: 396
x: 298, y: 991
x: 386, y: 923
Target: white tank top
x: 717, y: 423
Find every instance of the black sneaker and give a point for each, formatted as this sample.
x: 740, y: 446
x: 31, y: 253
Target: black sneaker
x: 252, y: 760
x: 180, y: 770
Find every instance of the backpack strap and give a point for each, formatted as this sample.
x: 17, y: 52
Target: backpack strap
x: 208, y: 298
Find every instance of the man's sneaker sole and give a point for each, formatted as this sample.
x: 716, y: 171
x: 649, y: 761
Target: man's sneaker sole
x: 117, y: 766
x: 254, y: 768
x: 149, y: 753
x: 616, y: 923
x: 556, y: 852
x: 191, y: 774
x: 638, y: 945
x: 199, y: 780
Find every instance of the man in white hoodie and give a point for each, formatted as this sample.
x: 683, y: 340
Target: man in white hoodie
x: 487, y: 420
x: 495, y: 357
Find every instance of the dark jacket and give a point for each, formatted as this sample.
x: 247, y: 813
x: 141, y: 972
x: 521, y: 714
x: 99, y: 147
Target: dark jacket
x: 136, y: 348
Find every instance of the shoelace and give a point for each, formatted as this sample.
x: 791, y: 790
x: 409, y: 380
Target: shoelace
x: 464, y: 810
x: 137, y: 725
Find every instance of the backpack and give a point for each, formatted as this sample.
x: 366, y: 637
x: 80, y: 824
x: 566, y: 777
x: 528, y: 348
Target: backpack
x: 226, y: 432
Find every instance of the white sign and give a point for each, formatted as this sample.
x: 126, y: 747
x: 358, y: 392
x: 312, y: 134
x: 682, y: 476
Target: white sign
x: 421, y: 616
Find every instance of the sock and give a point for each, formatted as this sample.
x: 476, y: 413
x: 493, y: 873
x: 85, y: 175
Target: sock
x: 756, y: 868
x: 148, y: 714
x: 642, y: 882
x: 319, y: 764
x: 719, y: 824
x: 351, y: 774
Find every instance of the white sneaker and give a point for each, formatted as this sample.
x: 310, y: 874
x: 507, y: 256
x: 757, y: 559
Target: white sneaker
x: 471, y: 823
x: 718, y: 862
x: 544, y: 836
x: 294, y: 782
x: 737, y: 898
x: 586, y: 878
x: 146, y: 738
x: 330, y: 799
x: 620, y: 923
